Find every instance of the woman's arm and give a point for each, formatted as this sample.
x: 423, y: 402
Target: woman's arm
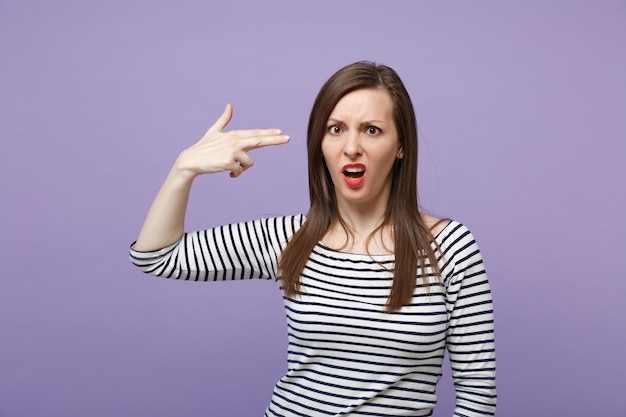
x: 470, y: 341
x: 231, y: 252
x: 217, y: 151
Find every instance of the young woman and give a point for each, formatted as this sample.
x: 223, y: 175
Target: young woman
x: 374, y: 290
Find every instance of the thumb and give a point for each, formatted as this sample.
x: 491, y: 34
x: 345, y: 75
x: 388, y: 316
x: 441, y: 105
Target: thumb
x: 223, y: 120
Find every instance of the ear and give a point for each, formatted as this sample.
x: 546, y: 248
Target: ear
x: 400, y: 153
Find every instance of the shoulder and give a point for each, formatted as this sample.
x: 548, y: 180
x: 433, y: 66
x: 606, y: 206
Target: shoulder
x: 452, y: 237
x: 287, y: 225
x: 458, y: 244
x: 435, y: 224
x: 295, y: 219
x: 458, y: 253
x: 444, y: 229
x: 265, y: 230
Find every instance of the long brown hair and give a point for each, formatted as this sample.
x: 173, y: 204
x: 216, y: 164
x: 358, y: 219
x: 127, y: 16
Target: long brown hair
x: 412, y: 238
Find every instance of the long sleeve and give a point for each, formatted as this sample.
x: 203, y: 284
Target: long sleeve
x: 470, y: 340
x: 236, y: 251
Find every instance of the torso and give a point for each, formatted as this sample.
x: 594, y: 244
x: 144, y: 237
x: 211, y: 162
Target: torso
x: 347, y: 356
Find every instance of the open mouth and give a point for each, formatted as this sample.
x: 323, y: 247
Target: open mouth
x: 354, y: 174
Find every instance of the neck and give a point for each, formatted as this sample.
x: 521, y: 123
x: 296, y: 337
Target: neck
x: 361, y: 220
x: 364, y: 215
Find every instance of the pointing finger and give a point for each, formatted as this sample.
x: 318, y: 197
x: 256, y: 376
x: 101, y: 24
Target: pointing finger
x: 262, y: 141
x: 253, y: 133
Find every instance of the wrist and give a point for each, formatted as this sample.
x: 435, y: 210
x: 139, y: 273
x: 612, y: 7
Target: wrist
x: 181, y: 172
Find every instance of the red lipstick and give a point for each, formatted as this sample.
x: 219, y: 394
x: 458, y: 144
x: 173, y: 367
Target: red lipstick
x: 353, y: 174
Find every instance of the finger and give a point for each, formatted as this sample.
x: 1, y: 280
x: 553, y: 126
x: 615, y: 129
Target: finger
x: 262, y: 141
x: 254, y: 133
x: 235, y: 169
x: 223, y: 120
x: 244, y: 160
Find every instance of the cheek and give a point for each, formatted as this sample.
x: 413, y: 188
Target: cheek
x: 387, y: 154
x: 327, y: 151
x: 323, y: 147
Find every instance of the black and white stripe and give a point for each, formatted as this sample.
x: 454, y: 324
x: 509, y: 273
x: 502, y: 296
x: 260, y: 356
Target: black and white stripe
x: 346, y: 355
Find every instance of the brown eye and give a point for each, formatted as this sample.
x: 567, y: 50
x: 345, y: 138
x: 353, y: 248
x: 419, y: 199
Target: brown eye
x: 334, y: 130
x: 372, y: 130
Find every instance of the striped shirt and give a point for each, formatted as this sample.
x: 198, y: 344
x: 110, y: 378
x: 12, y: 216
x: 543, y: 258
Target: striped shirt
x: 346, y: 356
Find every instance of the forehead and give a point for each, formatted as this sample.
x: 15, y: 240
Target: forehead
x: 366, y: 103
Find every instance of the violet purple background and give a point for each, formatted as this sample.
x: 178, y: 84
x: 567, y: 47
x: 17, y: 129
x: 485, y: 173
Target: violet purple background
x: 521, y: 107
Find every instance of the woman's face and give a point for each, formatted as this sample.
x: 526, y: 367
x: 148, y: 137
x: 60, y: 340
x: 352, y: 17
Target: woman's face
x: 360, y: 147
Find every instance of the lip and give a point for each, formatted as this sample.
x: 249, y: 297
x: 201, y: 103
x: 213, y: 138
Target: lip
x: 353, y: 182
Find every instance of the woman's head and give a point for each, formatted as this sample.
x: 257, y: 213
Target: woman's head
x: 412, y: 238
x: 357, y: 76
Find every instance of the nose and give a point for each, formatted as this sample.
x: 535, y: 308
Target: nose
x: 352, y: 147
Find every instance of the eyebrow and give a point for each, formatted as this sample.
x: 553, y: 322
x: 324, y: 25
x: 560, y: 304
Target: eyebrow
x: 364, y: 123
